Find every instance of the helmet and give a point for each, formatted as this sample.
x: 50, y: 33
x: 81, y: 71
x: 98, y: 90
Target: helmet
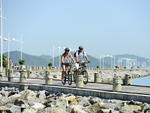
x: 80, y: 47
x: 67, y: 49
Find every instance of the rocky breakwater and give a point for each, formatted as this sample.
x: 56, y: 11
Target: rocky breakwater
x: 14, y: 101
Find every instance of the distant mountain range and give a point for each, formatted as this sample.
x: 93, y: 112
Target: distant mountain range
x: 43, y: 60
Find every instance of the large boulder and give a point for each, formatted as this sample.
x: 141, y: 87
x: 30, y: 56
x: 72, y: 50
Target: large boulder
x: 77, y: 109
x: 131, y: 109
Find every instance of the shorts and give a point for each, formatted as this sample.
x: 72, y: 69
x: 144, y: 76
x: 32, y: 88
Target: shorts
x: 77, y: 65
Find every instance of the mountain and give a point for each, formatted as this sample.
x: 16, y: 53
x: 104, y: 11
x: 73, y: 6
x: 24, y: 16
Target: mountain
x: 107, y: 61
x: 29, y: 59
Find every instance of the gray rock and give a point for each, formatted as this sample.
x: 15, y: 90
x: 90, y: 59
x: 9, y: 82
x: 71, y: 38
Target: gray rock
x: 15, y: 109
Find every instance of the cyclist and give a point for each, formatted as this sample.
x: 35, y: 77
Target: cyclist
x: 66, y: 59
x: 80, y: 56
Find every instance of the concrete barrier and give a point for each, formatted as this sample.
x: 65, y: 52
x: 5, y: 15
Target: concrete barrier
x: 79, y: 81
x: 23, y: 76
x: 97, y: 77
x: 117, y: 83
x: 48, y: 78
x: 10, y: 75
x: 127, y: 80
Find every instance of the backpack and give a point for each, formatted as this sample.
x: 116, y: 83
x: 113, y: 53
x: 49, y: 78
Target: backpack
x: 78, y: 53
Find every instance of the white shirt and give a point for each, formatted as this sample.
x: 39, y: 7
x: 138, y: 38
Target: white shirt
x: 81, y: 55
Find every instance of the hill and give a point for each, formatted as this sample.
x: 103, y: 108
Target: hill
x: 43, y: 60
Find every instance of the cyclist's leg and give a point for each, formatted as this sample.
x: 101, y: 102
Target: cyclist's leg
x: 63, y: 71
x: 76, y: 71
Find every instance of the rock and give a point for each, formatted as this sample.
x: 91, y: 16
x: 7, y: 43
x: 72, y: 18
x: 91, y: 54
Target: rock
x: 77, y: 109
x: 147, y: 111
x: 15, y: 109
x: 53, y: 110
x: 93, y: 100
x: 38, y: 106
x: 105, y: 111
x: 73, y: 102
x: 131, y: 102
x: 110, y: 106
x: 10, y: 99
x: 29, y: 111
x: 63, y: 104
x: 42, y: 95
x: 83, y: 101
x: 12, y: 93
x: 18, y: 102
x: 70, y: 98
x: 95, y: 108
x: 130, y: 109
x: 55, y: 76
x: 29, y: 95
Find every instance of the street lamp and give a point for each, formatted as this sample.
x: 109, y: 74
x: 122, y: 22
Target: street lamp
x: 1, y: 36
x: 59, y: 48
x: 8, y: 47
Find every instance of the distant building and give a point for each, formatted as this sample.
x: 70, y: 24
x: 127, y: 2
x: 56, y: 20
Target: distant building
x: 127, y: 62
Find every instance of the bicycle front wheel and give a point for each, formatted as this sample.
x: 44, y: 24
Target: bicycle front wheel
x: 85, y: 77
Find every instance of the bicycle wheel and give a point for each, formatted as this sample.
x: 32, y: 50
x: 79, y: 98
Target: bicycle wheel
x: 85, y: 77
x: 69, y: 78
x: 64, y: 81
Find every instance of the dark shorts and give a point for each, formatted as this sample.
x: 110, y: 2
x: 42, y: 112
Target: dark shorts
x: 65, y: 64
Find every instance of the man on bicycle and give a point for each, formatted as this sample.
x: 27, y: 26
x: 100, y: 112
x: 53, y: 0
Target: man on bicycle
x: 80, y: 56
x: 66, y: 59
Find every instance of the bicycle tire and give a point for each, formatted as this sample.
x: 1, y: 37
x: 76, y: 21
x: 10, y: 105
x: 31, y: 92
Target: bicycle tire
x: 64, y: 81
x: 69, y: 78
x: 85, y: 77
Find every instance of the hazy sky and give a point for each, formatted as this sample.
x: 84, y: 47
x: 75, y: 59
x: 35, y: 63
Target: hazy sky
x: 101, y: 26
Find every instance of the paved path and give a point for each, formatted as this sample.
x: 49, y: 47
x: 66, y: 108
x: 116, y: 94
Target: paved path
x: 97, y: 86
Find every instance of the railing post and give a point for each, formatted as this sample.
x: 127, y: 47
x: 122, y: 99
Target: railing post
x: 10, y: 75
x: 48, y: 78
x: 127, y: 80
x: 97, y: 77
x: 79, y: 81
x: 117, y: 83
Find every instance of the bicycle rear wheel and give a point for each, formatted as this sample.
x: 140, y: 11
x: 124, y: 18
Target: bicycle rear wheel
x: 85, y: 77
x: 69, y: 78
x: 64, y: 81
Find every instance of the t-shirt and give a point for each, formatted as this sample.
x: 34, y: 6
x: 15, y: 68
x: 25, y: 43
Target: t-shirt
x: 81, y: 55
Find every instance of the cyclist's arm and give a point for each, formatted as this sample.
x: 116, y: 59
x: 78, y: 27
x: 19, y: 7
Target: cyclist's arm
x: 62, y: 59
x: 86, y: 57
x: 72, y: 58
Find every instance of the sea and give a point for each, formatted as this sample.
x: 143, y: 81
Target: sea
x: 144, y: 81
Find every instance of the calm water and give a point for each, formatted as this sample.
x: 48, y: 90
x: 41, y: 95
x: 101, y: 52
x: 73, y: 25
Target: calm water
x: 142, y: 81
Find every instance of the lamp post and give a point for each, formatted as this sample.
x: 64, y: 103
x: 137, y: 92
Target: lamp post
x: 8, y: 46
x: 53, y: 59
x: 99, y: 61
x: 59, y: 48
x: 1, y: 36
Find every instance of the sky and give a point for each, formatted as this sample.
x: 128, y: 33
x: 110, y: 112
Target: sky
x: 100, y: 26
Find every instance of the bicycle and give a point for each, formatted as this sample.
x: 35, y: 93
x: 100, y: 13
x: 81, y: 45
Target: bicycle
x: 83, y: 71
x: 69, y: 74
